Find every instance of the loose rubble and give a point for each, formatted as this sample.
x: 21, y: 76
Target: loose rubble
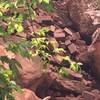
x: 46, y: 84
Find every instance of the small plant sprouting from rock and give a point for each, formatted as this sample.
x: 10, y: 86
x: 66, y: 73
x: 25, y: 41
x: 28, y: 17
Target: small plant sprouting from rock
x: 75, y: 66
x: 63, y: 72
x: 40, y: 45
x: 58, y: 50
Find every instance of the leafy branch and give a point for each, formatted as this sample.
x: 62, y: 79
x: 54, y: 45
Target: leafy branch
x: 7, y: 85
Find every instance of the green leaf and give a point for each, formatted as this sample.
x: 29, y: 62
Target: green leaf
x: 67, y: 58
x: 19, y: 27
x: 8, y: 72
x: 19, y: 3
x: 1, y: 14
x: 63, y: 72
x: 13, y: 64
x: 43, y: 31
x: 75, y: 67
x: 20, y: 18
x: 46, y: 1
x: 10, y: 28
x: 58, y: 50
x: 20, y: 47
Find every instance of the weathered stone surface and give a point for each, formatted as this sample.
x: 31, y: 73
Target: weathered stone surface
x: 87, y: 83
x: 52, y: 28
x: 44, y: 19
x: 33, y: 75
x: 94, y: 53
x: 74, y: 75
x: 96, y: 59
x: 90, y: 95
x: 72, y: 48
x: 22, y: 34
x: 30, y: 71
x: 42, y: 88
x: 87, y: 95
x: 26, y: 95
x: 68, y: 31
x: 95, y: 15
x: 76, y: 36
x: 62, y: 45
x: 67, y: 42
x: 59, y: 35
x: 74, y: 11
x: 70, y: 86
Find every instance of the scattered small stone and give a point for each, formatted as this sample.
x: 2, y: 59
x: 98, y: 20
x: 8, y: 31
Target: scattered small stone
x: 72, y: 48
x: 67, y: 42
x: 62, y: 45
x: 68, y: 31
x: 58, y: 31
x: 52, y: 28
x: 59, y: 34
x: 44, y: 19
x: 76, y: 36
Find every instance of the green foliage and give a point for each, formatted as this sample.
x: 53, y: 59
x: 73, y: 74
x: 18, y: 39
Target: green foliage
x: 41, y: 32
x: 75, y: 66
x: 15, y: 17
x: 13, y: 64
x: 7, y: 85
x: 21, y: 47
x: 48, y: 7
x: 63, y: 72
x: 11, y: 14
x: 40, y: 45
x: 58, y: 50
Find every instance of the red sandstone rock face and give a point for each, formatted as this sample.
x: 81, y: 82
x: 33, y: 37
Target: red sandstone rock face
x: 74, y: 11
x: 96, y: 59
x: 31, y: 72
x: 84, y: 21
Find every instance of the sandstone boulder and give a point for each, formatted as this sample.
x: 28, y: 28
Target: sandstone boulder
x: 33, y: 75
x: 31, y: 71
